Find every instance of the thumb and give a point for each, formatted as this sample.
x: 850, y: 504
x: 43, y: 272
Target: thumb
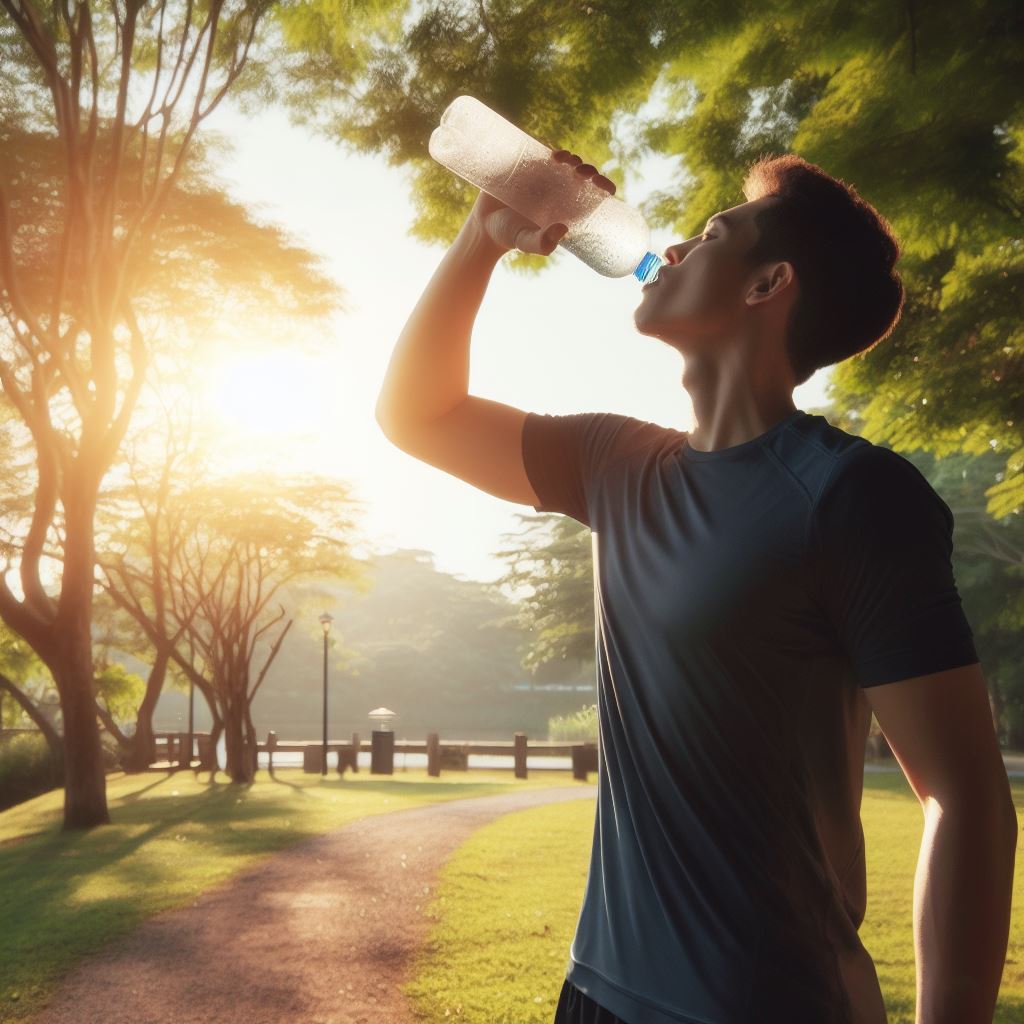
x: 514, y: 231
x: 530, y: 238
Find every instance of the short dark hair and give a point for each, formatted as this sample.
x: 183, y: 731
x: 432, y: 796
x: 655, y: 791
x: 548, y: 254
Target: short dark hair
x: 843, y: 252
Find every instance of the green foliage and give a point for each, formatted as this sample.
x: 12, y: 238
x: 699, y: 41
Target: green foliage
x: 919, y: 111
x: 27, y: 768
x: 552, y: 559
x: 119, y: 690
x: 581, y: 725
x: 18, y: 662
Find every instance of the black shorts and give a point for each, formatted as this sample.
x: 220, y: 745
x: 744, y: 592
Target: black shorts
x: 576, y: 1007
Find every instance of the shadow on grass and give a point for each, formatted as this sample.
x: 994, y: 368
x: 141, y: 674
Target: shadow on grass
x: 65, y: 894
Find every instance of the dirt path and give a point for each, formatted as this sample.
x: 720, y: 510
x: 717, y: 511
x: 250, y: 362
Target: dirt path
x: 322, y: 933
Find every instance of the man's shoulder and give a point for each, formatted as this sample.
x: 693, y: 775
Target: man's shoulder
x: 812, y: 449
x: 824, y: 457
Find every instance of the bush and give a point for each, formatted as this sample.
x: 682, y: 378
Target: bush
x: 111, y: 752
x: 580, y: 726
x: 27, y: 768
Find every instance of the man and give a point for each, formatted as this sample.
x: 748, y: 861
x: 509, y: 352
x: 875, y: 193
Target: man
x: 762, y: 583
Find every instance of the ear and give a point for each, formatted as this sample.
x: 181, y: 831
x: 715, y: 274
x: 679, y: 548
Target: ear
x: 772, y: 279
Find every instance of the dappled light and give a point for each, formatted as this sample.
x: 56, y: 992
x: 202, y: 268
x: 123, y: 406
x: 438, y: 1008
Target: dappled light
x: 512, y: 512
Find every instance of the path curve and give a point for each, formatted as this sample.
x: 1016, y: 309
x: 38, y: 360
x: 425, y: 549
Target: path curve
x: 320, y: 933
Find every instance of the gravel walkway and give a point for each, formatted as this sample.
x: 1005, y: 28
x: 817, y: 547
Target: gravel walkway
x: 322, y: 933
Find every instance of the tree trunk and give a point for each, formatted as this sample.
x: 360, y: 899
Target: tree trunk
x: 238, y: 766
x: 85, y: 782
x: 252, y: 741
x: 215, y: 733
x: 142, y: 752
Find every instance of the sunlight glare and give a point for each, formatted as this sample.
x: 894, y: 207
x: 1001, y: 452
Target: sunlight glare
x: 280, y: 395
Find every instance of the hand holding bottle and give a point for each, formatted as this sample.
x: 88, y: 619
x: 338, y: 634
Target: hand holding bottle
x: 543, y: 187
x: 511, y: 230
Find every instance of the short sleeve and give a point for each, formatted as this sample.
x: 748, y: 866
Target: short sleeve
x: 566, y: 456
x: 882, y: 539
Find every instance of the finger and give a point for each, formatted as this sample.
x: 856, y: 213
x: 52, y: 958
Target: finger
x: 605, y: 183
x: 564, y: 156
x: 555, y: 233
x: 586, y: 169
x: 512, y: 229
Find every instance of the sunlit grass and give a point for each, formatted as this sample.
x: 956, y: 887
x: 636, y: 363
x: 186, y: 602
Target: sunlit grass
x: 505, y: 911
x: 172, y: 837
x: 506, y: 908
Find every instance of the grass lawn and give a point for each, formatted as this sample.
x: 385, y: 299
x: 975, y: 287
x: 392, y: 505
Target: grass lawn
x: 506, y: 906
x: 172, y: 837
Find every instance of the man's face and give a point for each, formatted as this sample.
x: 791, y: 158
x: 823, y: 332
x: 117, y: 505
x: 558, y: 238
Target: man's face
x: 699, y: 294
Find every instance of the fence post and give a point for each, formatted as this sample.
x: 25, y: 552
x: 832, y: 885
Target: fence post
x: 355, y: 751
x: 584, y: 759
x: 519, y: 739
x: 433, y: 754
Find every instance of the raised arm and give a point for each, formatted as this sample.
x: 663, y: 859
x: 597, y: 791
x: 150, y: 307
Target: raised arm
x: 424, y: 406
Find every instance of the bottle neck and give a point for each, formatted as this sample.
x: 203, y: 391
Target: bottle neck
x: 647, y: 269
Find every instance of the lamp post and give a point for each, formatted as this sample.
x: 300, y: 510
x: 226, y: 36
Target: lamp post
x: 325, y: 621
x: 191, y: 718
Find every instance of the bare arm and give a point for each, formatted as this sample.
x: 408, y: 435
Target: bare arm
x: 962, y: 891
x: 424, y: 406
x: 428, y: 374
x: 940, y: 729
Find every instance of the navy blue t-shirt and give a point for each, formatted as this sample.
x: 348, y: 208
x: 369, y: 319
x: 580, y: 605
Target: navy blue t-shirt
x: 744, y: 598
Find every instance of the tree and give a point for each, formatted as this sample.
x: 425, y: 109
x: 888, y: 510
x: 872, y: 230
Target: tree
x: 198, y: 563
x: 921, y: 113
x: 552, y: 558
x: 104, y: 198
x: 144, y: 531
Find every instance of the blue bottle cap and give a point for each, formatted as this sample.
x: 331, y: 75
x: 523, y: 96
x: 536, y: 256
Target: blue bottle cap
x: 648, y: 268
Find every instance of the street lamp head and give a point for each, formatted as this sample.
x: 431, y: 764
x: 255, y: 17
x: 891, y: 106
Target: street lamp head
x: 325, y: 621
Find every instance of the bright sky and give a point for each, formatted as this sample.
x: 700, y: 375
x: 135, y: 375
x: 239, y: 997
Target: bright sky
x: 561, y: 342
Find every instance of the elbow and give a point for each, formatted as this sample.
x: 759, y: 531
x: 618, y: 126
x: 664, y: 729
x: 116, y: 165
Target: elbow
x: 392, y: 430
x: 992, y: 817
x: 383, y: 418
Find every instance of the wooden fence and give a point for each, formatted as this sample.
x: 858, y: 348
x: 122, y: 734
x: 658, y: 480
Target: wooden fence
x: 171, y: 750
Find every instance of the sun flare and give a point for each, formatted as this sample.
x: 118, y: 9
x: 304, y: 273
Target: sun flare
x: 279, y: 395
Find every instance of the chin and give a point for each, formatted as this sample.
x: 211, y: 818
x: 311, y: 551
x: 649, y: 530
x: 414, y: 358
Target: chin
x: 644, y: 324
x: 639, y: 319
x: 663, y: 332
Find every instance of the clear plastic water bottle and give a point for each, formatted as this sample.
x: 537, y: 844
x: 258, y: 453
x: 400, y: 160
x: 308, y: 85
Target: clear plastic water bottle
x: 488, y: 151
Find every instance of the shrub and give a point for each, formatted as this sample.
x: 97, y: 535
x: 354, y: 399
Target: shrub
x: 27, y: 768
x: 579, y: 726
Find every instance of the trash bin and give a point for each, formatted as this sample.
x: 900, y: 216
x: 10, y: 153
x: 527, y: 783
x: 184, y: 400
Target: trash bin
x: 382, y: 742
x: 313, y: 759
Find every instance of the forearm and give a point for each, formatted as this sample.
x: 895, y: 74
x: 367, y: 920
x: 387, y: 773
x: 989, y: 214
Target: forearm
x: 962, y: 892
x: 429, y: 370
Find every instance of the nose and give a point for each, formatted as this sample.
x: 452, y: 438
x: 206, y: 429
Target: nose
x: 675, y: 253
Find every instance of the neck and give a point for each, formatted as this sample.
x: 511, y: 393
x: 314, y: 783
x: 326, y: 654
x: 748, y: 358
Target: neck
x: 731, y: 409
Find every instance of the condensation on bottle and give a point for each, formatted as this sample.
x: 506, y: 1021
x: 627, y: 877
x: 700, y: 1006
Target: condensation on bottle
x: 487, y: 150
